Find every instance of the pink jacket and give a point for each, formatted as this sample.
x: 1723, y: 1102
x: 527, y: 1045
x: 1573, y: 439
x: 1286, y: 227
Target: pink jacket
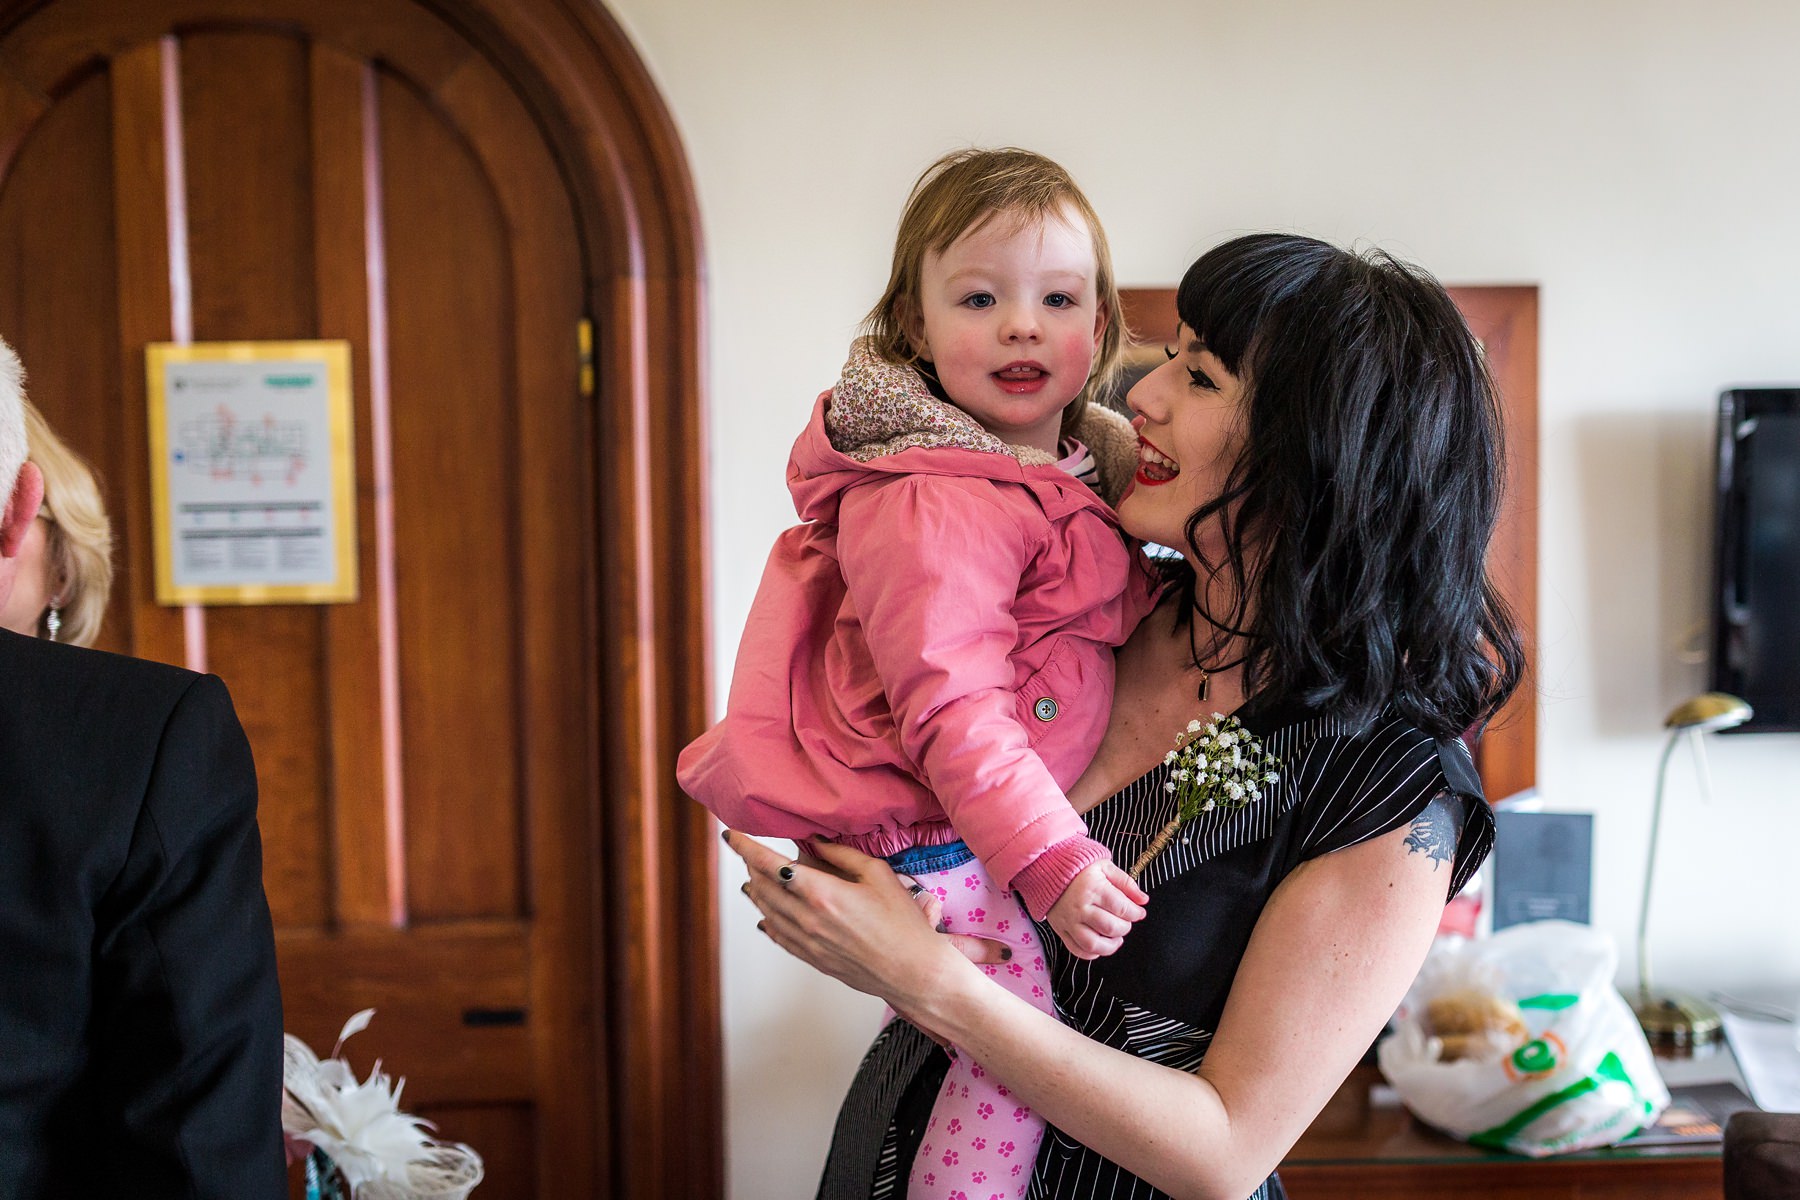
x: 929, y: 656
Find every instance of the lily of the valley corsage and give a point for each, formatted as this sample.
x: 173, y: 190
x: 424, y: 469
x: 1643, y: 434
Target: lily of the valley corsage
x: 1216, y: 765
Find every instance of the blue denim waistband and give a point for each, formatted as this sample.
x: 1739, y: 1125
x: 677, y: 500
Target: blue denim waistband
x: 923, y: 860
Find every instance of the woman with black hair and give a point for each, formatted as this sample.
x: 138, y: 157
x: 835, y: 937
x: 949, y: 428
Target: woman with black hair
x: 1323, y: 448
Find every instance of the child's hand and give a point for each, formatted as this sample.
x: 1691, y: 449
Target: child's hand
x: 1097, y: 910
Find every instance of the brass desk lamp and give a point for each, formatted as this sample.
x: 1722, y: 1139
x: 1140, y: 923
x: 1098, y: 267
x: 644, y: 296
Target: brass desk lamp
x: 1675, y: 1023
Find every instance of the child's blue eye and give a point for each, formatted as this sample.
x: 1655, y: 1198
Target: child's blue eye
x: 1059, y: 300
x: 980, y: 300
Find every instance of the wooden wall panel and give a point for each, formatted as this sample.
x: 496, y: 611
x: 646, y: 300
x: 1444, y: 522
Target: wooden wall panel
x: 245, y: 120
x: 450, y: 306
x: 1506, y: 321
x: 58, y: 304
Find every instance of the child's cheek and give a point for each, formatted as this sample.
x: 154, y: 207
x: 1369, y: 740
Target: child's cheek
x: 1077, y: 348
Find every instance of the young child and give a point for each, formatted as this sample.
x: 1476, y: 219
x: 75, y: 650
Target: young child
x: 928, y: 661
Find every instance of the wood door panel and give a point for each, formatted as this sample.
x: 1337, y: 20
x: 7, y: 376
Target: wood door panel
x: 504, y: 1133
x: 361, y: 663
x: 421, y: 984
x: 20, y: 108
x: 456, y: 410
x: 245, y: 141
x: 270, y: 661
x: 148, y: 312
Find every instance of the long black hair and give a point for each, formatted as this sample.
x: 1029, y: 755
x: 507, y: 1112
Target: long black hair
x: 1356, y: 520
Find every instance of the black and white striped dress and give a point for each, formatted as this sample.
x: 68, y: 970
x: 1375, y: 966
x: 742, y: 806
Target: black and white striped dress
x: 1161, y: 995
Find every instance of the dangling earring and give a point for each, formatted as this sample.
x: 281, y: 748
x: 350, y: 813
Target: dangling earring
x: 53, y: 621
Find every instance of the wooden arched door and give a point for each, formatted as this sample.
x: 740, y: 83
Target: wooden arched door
x: 467, y: 814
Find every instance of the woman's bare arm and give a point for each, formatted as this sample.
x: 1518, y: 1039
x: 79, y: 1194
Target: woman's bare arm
x: 1331, y: 956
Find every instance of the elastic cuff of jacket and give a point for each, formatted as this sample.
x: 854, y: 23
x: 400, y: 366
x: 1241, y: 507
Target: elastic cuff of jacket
x: 1043, y: 881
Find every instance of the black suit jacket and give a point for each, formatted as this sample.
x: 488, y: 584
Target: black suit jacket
x: 140, y: 1020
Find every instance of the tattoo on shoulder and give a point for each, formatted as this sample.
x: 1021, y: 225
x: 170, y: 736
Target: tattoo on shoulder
x: 1433, y: 832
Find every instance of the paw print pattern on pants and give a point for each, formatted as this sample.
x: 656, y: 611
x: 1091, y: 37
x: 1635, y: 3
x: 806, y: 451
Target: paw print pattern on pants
x: 965, y: 1159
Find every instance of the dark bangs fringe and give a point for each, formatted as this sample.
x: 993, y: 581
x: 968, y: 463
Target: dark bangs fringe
x: 1369, y: 485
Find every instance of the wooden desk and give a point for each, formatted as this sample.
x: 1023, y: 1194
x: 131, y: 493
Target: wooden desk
x: 1358, y: 1148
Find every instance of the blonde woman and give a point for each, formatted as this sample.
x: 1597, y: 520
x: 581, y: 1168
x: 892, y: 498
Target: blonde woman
x: 65, y: 568
x: 140, y: 1018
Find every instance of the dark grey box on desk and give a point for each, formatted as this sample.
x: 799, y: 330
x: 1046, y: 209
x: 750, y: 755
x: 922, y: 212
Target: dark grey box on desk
x: 1543, y: 867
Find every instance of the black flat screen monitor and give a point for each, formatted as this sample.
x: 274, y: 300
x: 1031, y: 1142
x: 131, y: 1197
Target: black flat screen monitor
x: 1756, y: 555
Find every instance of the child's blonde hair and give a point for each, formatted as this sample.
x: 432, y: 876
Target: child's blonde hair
x: 962, y: 191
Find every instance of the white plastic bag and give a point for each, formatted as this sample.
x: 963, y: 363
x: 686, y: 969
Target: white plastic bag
x: 1583, y: 1075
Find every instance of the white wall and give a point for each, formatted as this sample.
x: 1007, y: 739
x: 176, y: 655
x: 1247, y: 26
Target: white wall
x: 1639, y: 161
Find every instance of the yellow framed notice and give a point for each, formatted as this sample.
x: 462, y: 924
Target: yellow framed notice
x: 252, y: 473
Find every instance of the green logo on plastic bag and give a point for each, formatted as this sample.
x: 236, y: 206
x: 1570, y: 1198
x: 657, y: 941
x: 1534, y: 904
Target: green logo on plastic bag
x: 1535, y: 1057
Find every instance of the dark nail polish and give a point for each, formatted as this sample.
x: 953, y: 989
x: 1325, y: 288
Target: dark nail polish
x: 1006, y: 954
x: 725, y: 836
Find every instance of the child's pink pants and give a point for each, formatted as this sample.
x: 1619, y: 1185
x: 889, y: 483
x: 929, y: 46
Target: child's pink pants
x: 981, y: 1141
